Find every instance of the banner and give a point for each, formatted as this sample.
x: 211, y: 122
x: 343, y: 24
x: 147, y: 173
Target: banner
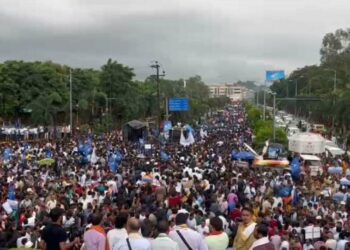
x: 186, y: 141
x: 167, y: 126
x: 274, y: 75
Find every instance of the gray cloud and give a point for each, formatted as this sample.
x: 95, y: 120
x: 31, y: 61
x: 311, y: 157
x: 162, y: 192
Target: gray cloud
x: 220, y: 40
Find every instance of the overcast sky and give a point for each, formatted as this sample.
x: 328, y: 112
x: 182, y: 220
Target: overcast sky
x: 220, y: 40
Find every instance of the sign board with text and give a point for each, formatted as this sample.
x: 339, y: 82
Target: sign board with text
x: 179, y: 104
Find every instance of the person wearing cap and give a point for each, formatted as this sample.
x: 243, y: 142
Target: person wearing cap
x: 163, y: 241
x: 186, y: 237
x: 245, y: 237
x: 217, y: 239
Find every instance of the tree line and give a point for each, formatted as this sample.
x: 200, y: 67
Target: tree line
x: 328, y: 83
x: 38, y: 93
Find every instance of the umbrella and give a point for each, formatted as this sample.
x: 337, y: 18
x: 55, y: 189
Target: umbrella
x: 243, y: 155
x: 46, y: 161
x: 344, y: 181
x: 335, y: 170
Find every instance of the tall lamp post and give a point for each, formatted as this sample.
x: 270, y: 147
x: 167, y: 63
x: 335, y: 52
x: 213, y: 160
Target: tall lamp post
x: 334, y: 90
x: 274, y: 116
x: 273, y: 113
x: 296, y: 93
x: 334, y: 79
x: 156, y: 66
x: 70, y: 103
x: 107, y: 105
x: 309, y: 85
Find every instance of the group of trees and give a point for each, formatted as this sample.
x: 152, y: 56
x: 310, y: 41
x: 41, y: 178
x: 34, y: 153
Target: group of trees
x: 329, y: 82
x: 263, y: 130
x: 38, y: 93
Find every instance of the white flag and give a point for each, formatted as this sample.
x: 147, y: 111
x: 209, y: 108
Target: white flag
x: 188, y: 141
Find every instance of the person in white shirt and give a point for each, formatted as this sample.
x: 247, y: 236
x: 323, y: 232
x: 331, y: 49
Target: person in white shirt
x: 203, y: 229
x: 135, y: 241
x: 185, y: 236
x: 217, y: 239
x: 342, y: 242
x: 119, y: 233
x: 331, y: 243
x: 276, y: 240
x: 163, y: 241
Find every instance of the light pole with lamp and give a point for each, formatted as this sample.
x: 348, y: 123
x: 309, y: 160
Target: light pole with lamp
x: 296, y: 93
x: 273, y: 113
x: 107, y: 121
x: 335, y: 78
x: 309, y: 85
x: 274, y: 116
x: 334, y: 90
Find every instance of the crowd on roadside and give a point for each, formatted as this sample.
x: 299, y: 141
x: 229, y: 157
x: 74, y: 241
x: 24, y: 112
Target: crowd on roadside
x: 195, y: 198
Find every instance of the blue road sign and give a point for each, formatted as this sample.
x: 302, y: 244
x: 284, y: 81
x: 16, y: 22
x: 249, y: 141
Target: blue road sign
x: 179, y: 104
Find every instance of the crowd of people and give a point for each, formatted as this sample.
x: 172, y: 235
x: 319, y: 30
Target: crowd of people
x: 196, y: 198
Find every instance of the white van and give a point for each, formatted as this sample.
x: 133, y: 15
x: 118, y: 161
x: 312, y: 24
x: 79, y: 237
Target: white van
x: 292, y: 131
x: 313, y: 163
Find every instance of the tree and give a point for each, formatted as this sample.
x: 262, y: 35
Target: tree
x: 335, y: 44
x: 45, y: 109
x: 116, y: 82
x: 44, y: 88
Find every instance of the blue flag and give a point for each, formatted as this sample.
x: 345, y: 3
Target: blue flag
x: 285, y: 192
x: 86, y: 150
x: 167, y: 126
x: 164, y: 156
x: 114, y: 160
x: 48, y: 153
x: 11, y: 195
x: 8, y: 154
x: 295, y: 168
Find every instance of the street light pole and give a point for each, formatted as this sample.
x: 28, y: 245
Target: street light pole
x: 107, y: 110
x: 70, y: 103
x: 310, y: 86
x: 334, y: 79
x: 264, y: 112
x: 157, y: 67
x: 274, y: 117
x: 334, y: 90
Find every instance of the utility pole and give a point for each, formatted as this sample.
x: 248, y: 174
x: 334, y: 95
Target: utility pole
x: 157, y: 67
x: 167, y: 108
x: 70, y: 103
x: 274, y: 116
x: 264, y: 110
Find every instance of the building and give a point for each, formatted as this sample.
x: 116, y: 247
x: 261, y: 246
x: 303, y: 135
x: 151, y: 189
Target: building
x: 234, y: 91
